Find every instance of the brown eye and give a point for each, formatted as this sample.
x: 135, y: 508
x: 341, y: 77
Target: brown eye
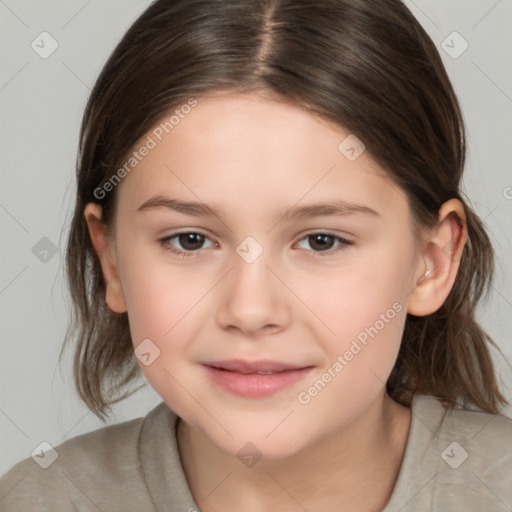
x: 325, y: 243
x: 321, y: 242
x: 191, y: 241
x: 186, y: 243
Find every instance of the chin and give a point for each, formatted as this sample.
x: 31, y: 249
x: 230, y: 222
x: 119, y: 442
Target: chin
x: 256, y: 442
x: 260, y: 450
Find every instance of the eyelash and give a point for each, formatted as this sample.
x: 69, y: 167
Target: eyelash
x: 164, y: 242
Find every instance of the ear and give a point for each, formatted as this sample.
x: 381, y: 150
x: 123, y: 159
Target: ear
x: 439, y: 261
x: 105, y: 249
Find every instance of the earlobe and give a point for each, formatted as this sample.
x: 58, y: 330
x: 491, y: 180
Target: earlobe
x: 440, y: 259
x: 104, y: 249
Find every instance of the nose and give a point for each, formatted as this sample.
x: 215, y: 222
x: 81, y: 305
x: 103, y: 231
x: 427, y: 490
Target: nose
x: 254, y: 300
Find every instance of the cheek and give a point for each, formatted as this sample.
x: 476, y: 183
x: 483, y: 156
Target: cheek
x: 364, y: 304
x: 159, y: 295
x: 163, y: 304
x: 366, y: 312
x: 370, y: 288
x: 164, y: 307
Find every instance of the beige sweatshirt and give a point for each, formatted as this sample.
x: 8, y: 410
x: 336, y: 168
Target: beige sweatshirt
x: 454, y: 461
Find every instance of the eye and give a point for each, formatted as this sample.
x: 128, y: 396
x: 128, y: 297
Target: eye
x: 190, y: 242
x: 323, y: 243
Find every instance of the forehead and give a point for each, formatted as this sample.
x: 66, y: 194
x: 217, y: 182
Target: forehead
x: 252, y: 151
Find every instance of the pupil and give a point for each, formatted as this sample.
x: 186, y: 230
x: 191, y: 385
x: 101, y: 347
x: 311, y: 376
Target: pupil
x: 321, y: 241
x: 191, y: 241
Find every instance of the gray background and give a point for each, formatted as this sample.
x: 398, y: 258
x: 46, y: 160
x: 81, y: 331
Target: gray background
x: 42, y: 101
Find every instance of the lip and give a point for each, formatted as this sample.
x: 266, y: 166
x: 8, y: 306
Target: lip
x: 242, y: 378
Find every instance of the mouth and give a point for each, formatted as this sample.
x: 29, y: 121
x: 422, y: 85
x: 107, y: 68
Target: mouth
x: 255, y: 379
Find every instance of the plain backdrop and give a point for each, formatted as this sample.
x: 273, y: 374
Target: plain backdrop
x: 41, y: 104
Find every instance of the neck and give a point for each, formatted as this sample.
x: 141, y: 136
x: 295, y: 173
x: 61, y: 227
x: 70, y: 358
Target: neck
x: 354, y: 468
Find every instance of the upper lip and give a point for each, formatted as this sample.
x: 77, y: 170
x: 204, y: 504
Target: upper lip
x: 238, y: 365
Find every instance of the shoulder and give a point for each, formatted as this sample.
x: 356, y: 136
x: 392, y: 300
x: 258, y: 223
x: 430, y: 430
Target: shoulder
x: 464, y: 455
x: 485, y: 437
x: 484, y: 441
x: 81, y: 472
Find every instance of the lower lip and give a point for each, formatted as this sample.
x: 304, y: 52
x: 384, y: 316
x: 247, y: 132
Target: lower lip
x: 254, y: 385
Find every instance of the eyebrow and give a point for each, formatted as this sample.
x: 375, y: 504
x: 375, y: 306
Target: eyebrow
x: 337, y: 208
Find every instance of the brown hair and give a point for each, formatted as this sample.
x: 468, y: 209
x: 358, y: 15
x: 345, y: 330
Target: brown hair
x: 366, y: 65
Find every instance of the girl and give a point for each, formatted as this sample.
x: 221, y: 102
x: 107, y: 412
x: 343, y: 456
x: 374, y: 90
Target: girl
x: 269, y: 226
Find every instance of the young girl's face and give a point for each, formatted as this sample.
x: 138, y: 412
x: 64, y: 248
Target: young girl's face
x: 315, y: 300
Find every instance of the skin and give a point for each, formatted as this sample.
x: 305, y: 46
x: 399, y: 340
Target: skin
x: 256, y: 157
